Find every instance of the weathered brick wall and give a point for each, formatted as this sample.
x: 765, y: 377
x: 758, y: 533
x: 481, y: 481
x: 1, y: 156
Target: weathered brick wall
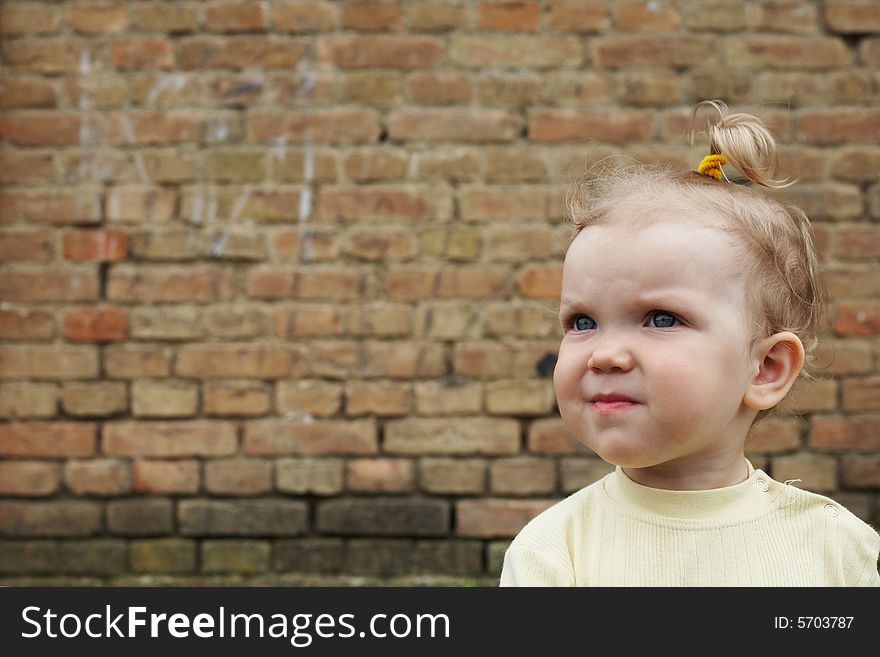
x: 279, y: 279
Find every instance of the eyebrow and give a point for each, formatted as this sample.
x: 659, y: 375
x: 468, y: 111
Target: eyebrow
x: 655, y: 298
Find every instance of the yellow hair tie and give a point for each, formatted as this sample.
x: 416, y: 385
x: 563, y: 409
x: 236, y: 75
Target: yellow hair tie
x: 711, y: 165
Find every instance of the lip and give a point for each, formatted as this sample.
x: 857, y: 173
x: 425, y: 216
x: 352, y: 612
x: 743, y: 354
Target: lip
x: 612, y: 403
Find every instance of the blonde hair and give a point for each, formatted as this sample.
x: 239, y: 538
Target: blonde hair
x: 779, y: 261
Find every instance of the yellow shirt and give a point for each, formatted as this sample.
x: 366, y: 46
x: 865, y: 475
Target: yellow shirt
x: 760, y: 532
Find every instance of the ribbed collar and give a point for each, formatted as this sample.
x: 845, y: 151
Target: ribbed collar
x: 746, y: 498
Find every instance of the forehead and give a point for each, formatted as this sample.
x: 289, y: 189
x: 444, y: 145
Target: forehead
x: 668, y: 252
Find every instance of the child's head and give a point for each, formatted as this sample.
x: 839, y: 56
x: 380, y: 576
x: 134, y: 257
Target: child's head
x: 696, y: 297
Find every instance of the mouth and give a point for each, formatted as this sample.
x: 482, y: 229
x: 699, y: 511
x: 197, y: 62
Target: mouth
x: 610, y: 404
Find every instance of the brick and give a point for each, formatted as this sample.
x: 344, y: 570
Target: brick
x: 637, y: 17
x: 783, y: 17
x: 242, y: 360
x: 715, y: 16
x: 238, y: 476
x: 491, y: 518
x: 304, y: 16
x: 162, y: 555
x: 515, y: 51
x: 787, y: 52
x: 551, y: 436
x: 459, y: 163
x: 28, y: 478
x: 139, y: 204
x: 96, y: 325
x: 179, y: 477
x: 48, y: 284
x: 308, y: 320
x: 17, y: 557
x: 160, y: 90
x: 26, y: 168
x: 380, y: 475
x: 88, y: 168
x: 462, y: 282
x: 449, y: 396
x: 432, y: 88
x: 512, y: 165
x: 372, y: 165
x: 520, y: 398
x: 379, y: 516
x: 231, y: 17
x: 447, y: 557
x: 856, y: 242
x: 843, y: 357
x: 465, y: 436
x: 314, y: 476
x: 236, y: 398
x: 372, y: 16
x: 383, y: 203
x: 169, y: 284
x: 373, y: 359
x: 94, y: 19
x: 176, y: 324
x: 859, y: 433
x: 242, y: 517
x: 50, y: 56
x: 21, y: 94
x: 331, y: 126
x: 380, y: 51
x: 453, y: 125
x: 239, y: 53
x: 100, y: 557
x: 315, y: 438
x: 834, y: 126
x: 164, y: 399
x: 257, y: 204
x: 35, y: 246
x: 857, y: 319
x: 541, y: 281
x: 852, y: 17
x: 171, y: 167
x: 495, y: 556
x: 47, y: 439
x: 499, y: 202
x: 137, y: 361
x: 309, y: 398
x: 28, y: 400
x: 94, y: 399
x: 448, y: 476
x: 773, y: 436
x: 100, y: 477
x: 381, y: 398
x: 522, y: 475
x: 169, y: 438
x: 520, y: 319
x: 454, y: 243
x: 555, y: 126
x: 650, y: 90
x: 835, y: 202
x: 49, y: 519
x: 147, y: 128
x: 378, y: 557
x: 152, y: 516
x: 237, y: 321
x: 818, y: 473
x: 576, y: 89
x: 577, y: 16
x: 861, y: 471
x: 808, y: 396
x: 134, y: 54
x: 509, y: 16
x: 629, y: 51
x: 232, y: 556
x: 310, y: 283
x: 95, y: 245
x: 853, y: 87
x: 96, y: 93
x: 436, y: 16
x: 449, y: 321
x: 861, y: 394
x: 372, y: 245
x: 576, y: 473
x: 51, y: 206
x: 309, y: 555
x: 236, y: 166
x: 493, y: 360
x: 27, y: 325
x: 28, y: 19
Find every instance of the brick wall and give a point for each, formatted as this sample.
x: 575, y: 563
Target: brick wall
x: 279, y: 279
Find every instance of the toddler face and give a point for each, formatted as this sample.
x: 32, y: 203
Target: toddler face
x: 655, y: 359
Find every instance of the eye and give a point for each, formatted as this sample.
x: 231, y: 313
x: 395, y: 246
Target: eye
x: 663, y: 319
x: 581, y: 323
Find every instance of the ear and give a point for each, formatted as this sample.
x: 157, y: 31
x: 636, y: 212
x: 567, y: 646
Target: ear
x: 780, y: 358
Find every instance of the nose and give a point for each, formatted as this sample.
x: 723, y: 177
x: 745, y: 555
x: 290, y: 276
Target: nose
x: 609, y: 357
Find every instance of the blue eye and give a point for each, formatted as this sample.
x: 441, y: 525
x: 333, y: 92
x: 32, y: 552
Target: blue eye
x: 582, y: 323
x: 662, y: 319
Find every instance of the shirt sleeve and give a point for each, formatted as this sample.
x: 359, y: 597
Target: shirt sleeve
x: 527, y: 567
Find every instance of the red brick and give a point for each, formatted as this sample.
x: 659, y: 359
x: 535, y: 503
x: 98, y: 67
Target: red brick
x: 497, y: 360
x: 836, y: 126
x: 492, y: 518
x: 774, y: 435
x: 238, y: 476
x: 49, y: 129
x: 45, y: 56
x: 372, y: 16
x: 25, y: 324
x: 577, y: 16
x: 541, y: 281
x: 787, y: 52
x: 859, y: 433
x: 683, y: 51
x: 96, y: 325
x: 315, y: 438
x: 380, y: 475
x: 304, y: 16
x: 240, y: 52
x: 232, y: 17
x: 166, y: 477
x: 861, y: 471
x: 499, y: 202
x: 28, y: 19
x: 50, y: 206
x: 55, y: 362
x: 95, y: 245
x: 790, y: 16
x: 509, y: 16
x: 136, y: 54
x: 554, y: 126
x: 20, y: 94
x: 852, y: 17
x: 861, y: 394
x: 104, y: 477
x: 93, y: 19
x: 28, y: 478
x: 169, y: 439
x: 311, y: 283
x: 331, y: 126
x: 47, y: 439
x: 551, y: 436
x: 639, y: 17
x: 380, y: 51
x: 857, y: 319
x: 817, y: 472
x: 156, y: 128
x: 35, y: 246
x: 383, y: 203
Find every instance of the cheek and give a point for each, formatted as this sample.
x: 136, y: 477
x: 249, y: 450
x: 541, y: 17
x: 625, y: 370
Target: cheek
x: 566, y: 374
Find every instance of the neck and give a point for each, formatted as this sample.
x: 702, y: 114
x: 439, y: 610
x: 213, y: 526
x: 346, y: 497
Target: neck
x: 718, y: 471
